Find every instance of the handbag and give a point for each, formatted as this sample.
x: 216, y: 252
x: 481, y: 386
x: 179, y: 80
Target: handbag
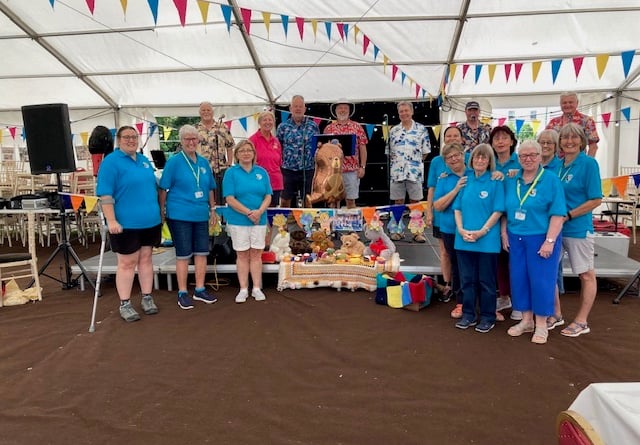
x: 221, y: 249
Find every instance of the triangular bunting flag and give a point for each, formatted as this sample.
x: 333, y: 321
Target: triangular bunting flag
x: 226, y: 14
x: 369, y: 128
x: 285, y: 115
x: 517, y: 68
x: 627, y: 58
x: 492, y: 72
x: 92, y: 5
x: 385, y: 60
x: 535, y: 124
x: 507, y: 71
x: 243, y: 122
x: 601, y: 63
x: 403, y: 76
x: 327, y: 27
x: 317, y: 120
x: 365, y: 44
x: 620, y: 182
x: 436, y: 131
x: 76, y: 201
x: 285, y: 24
x: 84, y: 135
x: 52, y: 2
x: 340, y: 27
x: 153, y: 5
x: 166, y: 133
x: 181, y: 6
x: 152, y: 128
x: 626, y: 112
x: 204, y: 10
x: 297, y: 214
x: 606, y: 118
x: 376, y: 50
x: 636, y: 179
x: 314, y: 27
x: 577, y: 65
x: 555, y: 69
x: 465, y: 68
x: 246, y: 19
x: 478, y: 72
x: 519, y: 124
x: 452, y: 71
x: 346, y: 31
x: 228, y: 125
x: 397, y: 211
x: 300, y: 24
x: 123, y: 3
x: 607, y: 186
x: 66, y: 200
x: 139, y: 126
x: 367, y: 213
x: 90, y: 203
x: 394, y: 71
x: 501, y: 121
x: 535, y: 70
x: 356, y: 30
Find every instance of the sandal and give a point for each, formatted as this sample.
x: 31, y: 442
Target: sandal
x: 540, y: 336
x: 457, y: 311
x: 518, y: 329
x: 553, y: 321
x: 499, y: 316
x: 445, y: 293
x: 575, y: 329
x: 419, y: 238
x: 396, y: 237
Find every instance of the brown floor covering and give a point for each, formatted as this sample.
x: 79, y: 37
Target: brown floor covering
x: 304, y: 367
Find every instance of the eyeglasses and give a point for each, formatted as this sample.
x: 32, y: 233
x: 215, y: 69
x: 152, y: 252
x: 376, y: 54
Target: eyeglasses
x: 481, y: 157
x: 190, y: 139
x: 453, y: 156
x: 245, y: 150
x: 129, y: 137
x: 528, y: 156
x: 543, y: 143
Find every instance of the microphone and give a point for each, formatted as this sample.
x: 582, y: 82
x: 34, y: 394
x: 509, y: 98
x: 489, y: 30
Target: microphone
x: 222, y: 116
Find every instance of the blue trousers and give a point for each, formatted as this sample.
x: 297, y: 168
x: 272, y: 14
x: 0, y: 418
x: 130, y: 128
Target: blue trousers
x: 449, y: 240
x: 478, y: 271
x: 533, y: 278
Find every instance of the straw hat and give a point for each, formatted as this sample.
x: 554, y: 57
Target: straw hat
x: 352, y: 107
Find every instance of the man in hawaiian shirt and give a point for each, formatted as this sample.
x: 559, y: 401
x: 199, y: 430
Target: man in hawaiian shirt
x: 570, y: 113
x: 473, y: 131
x: 216, y: 145
x: 296, y: 137
x: 352, y: 166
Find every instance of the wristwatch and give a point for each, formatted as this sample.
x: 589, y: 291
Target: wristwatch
x: 551, y: 240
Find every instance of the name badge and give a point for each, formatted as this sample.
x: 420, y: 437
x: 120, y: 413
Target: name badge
x: 521, y: 215
x: 199, y: 194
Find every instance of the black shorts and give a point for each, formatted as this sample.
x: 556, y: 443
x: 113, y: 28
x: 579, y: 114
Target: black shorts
x: 131, y: 240
x: 296, y: 182
x: 436, y: 232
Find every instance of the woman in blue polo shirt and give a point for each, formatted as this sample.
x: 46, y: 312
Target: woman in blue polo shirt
x: 534, y: 215
x: 580, y: 177
x: 129, y: 198
x: 478, y: 208
x: 187, y: 202
x: 247, y: 190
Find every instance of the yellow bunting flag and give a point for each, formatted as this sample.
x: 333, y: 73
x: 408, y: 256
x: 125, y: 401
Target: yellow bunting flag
x: 601, y: 64
x: 90, y: 202
x: 84, y: 135
x: 425, y: 205
x: 385, y: 132
x: 367, y: 213
x: 486, y: 120
x: 535, y: 70
x: 314, y: 27
x: 1, y: 134
x: 620, y: 183
x: 385, y: 60
x: 76, y: 201
x: 452, y: 71
x: 436, y: 131
x: 607, y: 185
x: 204, y: 10
x: 266, y: 18
x: 492, y: 72
x: 535, y: 124
x: 123, y: 3
x: 297, y: 213
x: 356, y: 30
x: 166, y: 132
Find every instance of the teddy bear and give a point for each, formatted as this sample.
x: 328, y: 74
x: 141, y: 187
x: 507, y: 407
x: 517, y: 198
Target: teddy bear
x: 299, y: 243
x: 320, y: 242
x: 380, y: 245
x: 280, y: 244
x: 351, y: 244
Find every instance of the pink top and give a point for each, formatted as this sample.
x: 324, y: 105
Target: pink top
x: 269, y: 157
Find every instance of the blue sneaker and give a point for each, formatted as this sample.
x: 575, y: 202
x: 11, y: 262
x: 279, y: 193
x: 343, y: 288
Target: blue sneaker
x: 184, y: 301
x: 204, y: 296
x: 465, y: 323
x: 485, y: 326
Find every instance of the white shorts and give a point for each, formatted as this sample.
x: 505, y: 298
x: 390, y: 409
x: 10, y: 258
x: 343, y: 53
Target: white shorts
x: 581, y: 253
x: 351, y: 184
x: 247, y: 237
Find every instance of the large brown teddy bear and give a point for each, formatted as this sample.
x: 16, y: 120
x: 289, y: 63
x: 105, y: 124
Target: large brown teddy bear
x: 351, y: 244
x: 328, y: 185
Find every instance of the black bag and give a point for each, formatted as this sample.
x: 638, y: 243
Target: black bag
x: 221, y: 249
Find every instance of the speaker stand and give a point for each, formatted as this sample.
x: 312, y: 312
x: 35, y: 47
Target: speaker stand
x: 65, y: 248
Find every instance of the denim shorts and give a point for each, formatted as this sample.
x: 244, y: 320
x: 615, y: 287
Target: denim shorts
x: 189, y: 238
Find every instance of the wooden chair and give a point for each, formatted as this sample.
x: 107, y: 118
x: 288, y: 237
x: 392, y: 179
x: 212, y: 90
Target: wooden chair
x: 83, y: 183
x: 573, y: 429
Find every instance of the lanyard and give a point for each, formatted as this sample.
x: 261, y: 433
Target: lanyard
x: 195, y: 175
x: 531, y: 187
x: 563, y: 176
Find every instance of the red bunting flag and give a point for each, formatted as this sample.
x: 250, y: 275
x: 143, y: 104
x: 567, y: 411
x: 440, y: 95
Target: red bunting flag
x: 181, y: 6
x: 139, y: 126
x: 300, y: 23
x: 365, y: 44
x: 246, y: 19
x: 606, y: 118
x: 577, y: 65
x: 92, y: 5
x: 394, y: 71
x: 518, y: 68
x: 465, y: 68
x: 507, y: 71
x: 12, y: 131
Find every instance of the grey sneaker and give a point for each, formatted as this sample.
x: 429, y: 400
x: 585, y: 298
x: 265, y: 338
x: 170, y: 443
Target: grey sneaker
x: 148, y: 305
x: 128, y: 313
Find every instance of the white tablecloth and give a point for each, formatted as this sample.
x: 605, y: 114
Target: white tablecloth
x: 613, y: 409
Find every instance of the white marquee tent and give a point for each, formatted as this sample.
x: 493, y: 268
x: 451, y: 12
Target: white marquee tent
x: 118, y: 61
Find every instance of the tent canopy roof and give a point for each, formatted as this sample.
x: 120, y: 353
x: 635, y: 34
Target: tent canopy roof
x: 115, y: 59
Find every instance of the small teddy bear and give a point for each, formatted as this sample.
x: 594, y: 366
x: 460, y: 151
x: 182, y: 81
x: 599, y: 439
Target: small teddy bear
x: 351, y: 244
x: 280, y: 244
x: 299, y: 243
x: 320, y: 242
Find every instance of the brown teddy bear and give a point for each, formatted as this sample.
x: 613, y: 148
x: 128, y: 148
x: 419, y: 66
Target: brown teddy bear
x: 320, y: 242
x: 351, y: 244
x: 299, y: 243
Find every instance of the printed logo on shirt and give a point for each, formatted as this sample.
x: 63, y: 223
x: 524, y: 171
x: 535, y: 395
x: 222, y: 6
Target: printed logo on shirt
x: 569, y: 178
x: 532, y: 193
x: 483, y: 194
x: 258, y: 176
x: 146, y: 165
x: 203, y: 170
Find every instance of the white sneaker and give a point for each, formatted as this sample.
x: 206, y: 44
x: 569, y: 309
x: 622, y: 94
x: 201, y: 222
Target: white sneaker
x: 516, y: 315
x: 242, y: 296
x: 257, y: 293
x: 503, y: 303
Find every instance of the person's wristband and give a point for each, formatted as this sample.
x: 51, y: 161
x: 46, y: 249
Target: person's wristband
x: 569, y: 216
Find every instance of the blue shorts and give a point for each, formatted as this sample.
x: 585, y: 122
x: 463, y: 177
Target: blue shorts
x: 189, y: 238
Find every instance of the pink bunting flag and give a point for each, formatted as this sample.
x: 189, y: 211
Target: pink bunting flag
x: 246, y: 19
x: 606, y: 118
x: 465, y: 68
x: 139, y: 126
x: 507, y: 71
x: 300, y: 23
x: 418, y: 87
x: 228, y: 125
x: 394, y: 71
x: 340, y: 27
x: 181, y: 6
x: 92, y: 5
x: 501, y: 121
x: 365, y: 44
x: 12, y: 131
x: 577, y: 65
x: 518, y: 68
x: 317, y: 120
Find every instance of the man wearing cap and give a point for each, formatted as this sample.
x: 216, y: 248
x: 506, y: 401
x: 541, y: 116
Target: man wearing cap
x: 352, y: 166
x: 473, y: 131
x: 570, y: 113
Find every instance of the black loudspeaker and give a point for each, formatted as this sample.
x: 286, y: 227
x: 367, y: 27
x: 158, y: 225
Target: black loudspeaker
x: 49, y: 140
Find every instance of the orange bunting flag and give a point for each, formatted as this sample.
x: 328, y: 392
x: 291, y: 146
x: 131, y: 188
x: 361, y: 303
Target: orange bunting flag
x: 367, y: 213
x: 620, y: 183
x: 601, y: 63
x: 204, y: 10
x: 297, y: 213
x: 84, y: 135
x: 607, y: 186
x: 76, y: 201
x: 90, y: 202
x: 535, y: 70
x: 415, y: 206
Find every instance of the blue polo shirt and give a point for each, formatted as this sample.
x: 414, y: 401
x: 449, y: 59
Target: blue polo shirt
x: 188, y: 185
x: 132, y: 184
x: 542, y: 202
x: 581, y: 183
x: 512, y: 164
x: 249, y: 188
x: 554, y: 165
x: 477, y: 201
x: 436, y: 168
x: 443, y: 186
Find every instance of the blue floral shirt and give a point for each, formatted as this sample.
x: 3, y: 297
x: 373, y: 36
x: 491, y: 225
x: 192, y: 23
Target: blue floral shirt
x: 297, y: 144
x: 406, y: 149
